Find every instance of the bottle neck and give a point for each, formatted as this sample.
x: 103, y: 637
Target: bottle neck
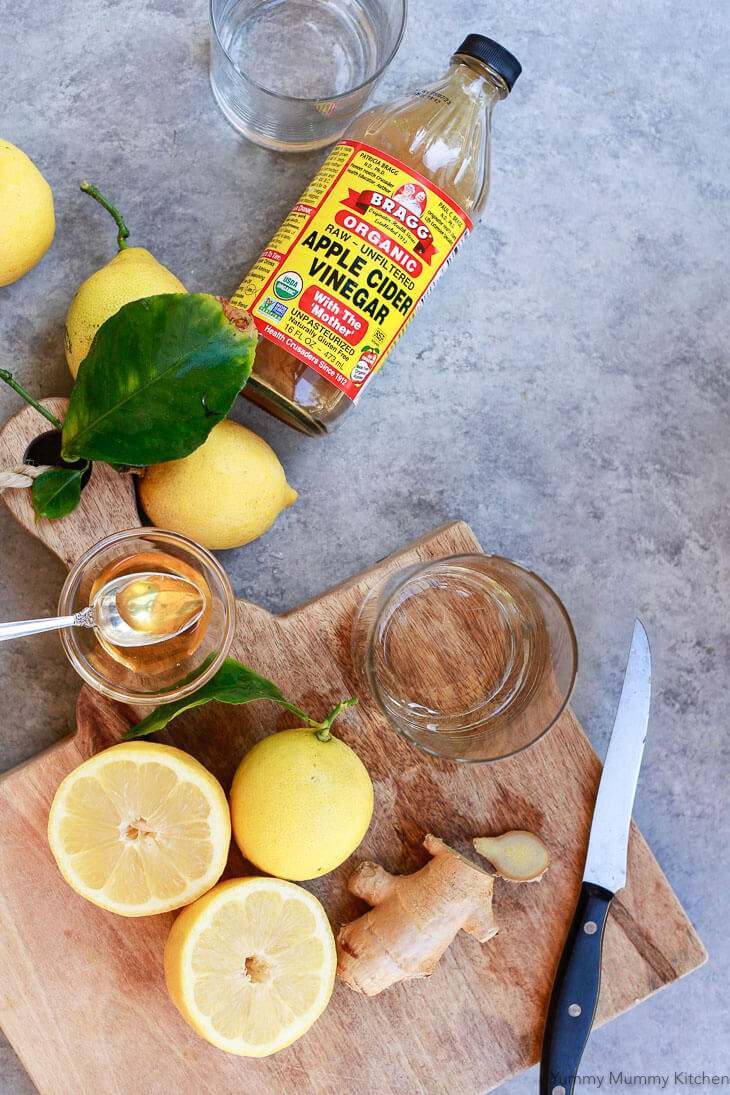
x: 478, y: 79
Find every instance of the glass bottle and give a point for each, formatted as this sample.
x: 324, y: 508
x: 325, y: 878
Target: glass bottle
x: 344, y: 275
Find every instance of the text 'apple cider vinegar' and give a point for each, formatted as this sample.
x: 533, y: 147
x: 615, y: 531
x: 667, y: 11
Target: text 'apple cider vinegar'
x: 348, y: 268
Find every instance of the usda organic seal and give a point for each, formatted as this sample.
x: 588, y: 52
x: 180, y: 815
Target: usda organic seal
x: 288, y: 285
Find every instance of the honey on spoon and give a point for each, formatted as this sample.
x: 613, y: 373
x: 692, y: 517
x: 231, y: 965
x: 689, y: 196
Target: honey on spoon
x: 163, y: 593
x: 128, y: 611
x: 146, y: 608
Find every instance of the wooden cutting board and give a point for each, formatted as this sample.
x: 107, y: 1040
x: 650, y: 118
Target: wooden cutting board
x: 82, y: 996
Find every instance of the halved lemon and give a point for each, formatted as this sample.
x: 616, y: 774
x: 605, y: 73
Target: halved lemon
x: 140, y: 828
x: 251, y: 965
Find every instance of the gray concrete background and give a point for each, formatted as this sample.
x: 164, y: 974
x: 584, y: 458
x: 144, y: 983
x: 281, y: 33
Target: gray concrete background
x: 565, y: 390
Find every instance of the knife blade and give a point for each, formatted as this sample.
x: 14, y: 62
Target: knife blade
x: 575, y: 990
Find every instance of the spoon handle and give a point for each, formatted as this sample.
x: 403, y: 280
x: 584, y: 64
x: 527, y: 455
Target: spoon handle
x: 53, y: 623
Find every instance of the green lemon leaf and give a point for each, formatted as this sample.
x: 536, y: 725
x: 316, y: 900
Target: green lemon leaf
x: 57, y: 492
x: 160, y: 374
x: 233, y: 683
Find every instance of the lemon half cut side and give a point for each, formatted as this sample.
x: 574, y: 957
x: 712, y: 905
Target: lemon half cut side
x: 140, y: 828
x: 251, y: 965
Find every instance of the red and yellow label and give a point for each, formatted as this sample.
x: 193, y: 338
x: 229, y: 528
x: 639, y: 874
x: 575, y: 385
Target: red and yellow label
x: 349, y: 266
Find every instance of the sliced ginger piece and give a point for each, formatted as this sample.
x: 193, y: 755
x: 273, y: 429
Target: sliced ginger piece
x: 518, y: 856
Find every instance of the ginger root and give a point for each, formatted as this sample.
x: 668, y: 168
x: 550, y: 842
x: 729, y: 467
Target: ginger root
x: 414, y: 918
x: 518, y: 856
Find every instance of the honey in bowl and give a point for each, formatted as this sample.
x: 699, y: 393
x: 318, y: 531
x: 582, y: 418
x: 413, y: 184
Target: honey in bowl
x: 151, y: 605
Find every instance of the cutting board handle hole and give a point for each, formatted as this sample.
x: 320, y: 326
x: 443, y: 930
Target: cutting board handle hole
x: 46, y: 449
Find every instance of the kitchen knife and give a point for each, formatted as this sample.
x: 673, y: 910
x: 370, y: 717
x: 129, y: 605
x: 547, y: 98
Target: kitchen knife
x: 575, y: 991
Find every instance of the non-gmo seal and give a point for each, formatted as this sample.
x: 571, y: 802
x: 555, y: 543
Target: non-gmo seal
x: 288, y: 285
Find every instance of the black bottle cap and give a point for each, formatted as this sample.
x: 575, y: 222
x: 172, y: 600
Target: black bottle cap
x: 494, y: 55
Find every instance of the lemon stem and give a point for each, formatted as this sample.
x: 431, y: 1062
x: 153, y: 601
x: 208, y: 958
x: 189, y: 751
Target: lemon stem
x: 8, y: 378
x: 322, y: 729
x: 123, y: 230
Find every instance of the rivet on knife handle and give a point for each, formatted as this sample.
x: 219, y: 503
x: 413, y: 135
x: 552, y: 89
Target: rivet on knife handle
x: 575, y: 993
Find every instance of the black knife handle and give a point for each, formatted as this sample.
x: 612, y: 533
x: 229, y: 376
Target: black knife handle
x: 575, y: 993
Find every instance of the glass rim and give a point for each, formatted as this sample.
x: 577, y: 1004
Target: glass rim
x: 320, y: 99
x: 432, y: 736
x: 95, y: 681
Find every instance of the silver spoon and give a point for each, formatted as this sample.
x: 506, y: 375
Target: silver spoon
x: 103, y: 615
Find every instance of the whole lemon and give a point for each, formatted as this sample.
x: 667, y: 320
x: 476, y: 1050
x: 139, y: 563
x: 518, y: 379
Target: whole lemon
x: 132, y: 273
x: 224, y: 494
x: 27, y: 222
x: 299, y: 805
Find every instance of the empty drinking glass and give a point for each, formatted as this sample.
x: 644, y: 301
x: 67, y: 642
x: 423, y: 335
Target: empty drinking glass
x: 471, y: 658
x: 291, y: 74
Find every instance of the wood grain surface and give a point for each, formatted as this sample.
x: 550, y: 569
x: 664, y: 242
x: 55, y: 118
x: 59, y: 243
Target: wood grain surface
x: 82, y: 996
x: 108, y: 502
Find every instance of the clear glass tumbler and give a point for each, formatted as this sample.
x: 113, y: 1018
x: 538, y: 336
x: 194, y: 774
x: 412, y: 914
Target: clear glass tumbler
x: 471, y: 658
x: 291, y: 74
x: 182, y: 670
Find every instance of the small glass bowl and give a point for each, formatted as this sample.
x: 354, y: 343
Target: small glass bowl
x: 471, y: 658
x: 179, y: 672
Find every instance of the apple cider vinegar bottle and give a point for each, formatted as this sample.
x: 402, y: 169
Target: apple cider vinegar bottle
x: 345, y: 273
